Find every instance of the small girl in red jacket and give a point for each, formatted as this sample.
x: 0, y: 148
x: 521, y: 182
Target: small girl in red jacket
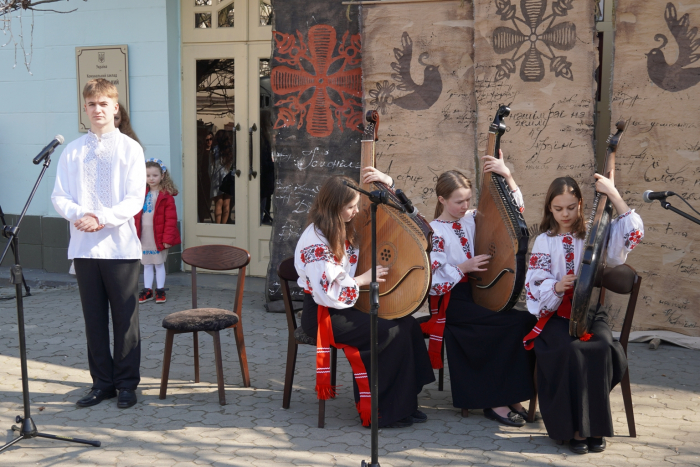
x: 157, y: 228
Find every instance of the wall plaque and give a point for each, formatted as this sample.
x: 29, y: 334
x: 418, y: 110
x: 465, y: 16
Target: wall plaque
x: 108, y: 62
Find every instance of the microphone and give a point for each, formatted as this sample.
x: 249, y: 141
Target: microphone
x: 649, y: 196
x: 46, y: 152
x: 406, y: 203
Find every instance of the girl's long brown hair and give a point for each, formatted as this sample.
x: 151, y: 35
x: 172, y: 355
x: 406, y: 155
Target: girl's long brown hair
x: 558, y: 187
x: 447, y: 183
x: 125, y: 125
x: 325, y: 213
x: 166, y: 183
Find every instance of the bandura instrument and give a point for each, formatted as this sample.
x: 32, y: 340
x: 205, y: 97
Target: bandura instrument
x: 403, y: 245
x: 500, y: 232
x: 590, y: 273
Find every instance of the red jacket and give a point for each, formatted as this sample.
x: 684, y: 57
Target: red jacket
x: 164, y: 221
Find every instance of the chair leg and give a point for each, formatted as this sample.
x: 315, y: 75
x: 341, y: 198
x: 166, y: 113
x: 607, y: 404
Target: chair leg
x: 167, y: 354
x: 242, y: 358
x: 533, y: 401
x: 219, y: 367
x: 334, y: 366
x: 195, y: 346
x: 627, y: 398
x: 292, y: 348
x: 321, y: 413
x: 441, y: 372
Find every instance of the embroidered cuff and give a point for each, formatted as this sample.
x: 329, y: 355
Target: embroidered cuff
x: 625, y: 214
x: 554, y: 289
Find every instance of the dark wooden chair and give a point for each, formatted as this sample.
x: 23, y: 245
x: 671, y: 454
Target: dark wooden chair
x: 209, y: 320
x: 622, y: 280
x: 287, y: 273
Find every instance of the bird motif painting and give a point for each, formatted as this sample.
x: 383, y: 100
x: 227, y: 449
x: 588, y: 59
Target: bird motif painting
x: 675, y: 77
x: 419, y: 96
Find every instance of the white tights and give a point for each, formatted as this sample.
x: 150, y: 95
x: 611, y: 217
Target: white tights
x: 148, y: 275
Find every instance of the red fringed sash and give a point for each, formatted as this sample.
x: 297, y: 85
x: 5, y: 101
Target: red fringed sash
x: 564, y: 311
x: 435, y: 326
x: 324, y: 390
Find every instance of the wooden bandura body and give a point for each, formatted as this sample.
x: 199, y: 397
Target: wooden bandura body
x: 403, y: 245
x: 500, y: 232
x: 590, y: 273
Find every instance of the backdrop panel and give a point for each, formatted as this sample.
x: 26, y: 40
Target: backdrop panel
x: 316, y: 83
x: 417, y: 63
x: 656, y: 89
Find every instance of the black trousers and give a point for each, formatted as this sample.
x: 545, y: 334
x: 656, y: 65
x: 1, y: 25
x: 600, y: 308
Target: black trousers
x: 111, y: 284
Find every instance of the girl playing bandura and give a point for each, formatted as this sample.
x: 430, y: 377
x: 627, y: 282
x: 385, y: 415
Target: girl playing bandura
x: 326, y: 258
x: 575, y: 376
x: 489, y: 369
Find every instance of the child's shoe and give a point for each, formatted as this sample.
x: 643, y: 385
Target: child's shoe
x: 160, y: 296
x: 145, y: 295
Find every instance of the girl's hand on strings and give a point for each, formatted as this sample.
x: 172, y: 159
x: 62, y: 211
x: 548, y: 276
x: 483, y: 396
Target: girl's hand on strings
x: 565, y: 284
x: 475, y: 264
x: 366, y: 277
x: 370, y: 174
x: 498, y: 166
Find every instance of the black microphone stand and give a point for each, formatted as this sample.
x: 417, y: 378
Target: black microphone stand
x: 376, y: 197
x: 4, y: 224
x: 666, y: 205
x: 28, y: 428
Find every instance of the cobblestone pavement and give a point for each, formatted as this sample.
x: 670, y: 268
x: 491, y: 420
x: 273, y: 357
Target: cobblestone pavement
x: 190, y: 428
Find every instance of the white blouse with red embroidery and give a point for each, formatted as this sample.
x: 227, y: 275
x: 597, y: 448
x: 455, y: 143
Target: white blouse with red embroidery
x: 453, y: 244
x: 330, y: 280
x: 554, y: 257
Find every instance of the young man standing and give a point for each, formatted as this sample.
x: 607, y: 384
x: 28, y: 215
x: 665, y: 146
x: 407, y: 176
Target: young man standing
x: 99, y: 188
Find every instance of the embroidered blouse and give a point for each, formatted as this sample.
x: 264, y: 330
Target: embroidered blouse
x: 104, y: 176
x: 554, y: 257
x: 453, y: 244
x: 329, y: 279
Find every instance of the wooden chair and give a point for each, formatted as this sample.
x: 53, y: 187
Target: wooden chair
x: 209, y: 320
x: 287, y: 273
x: 623, y: 280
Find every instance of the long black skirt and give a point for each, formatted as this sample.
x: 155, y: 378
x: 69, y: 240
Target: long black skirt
x: 489, y: 367
x: 404, y: 364
x: 574, y: 378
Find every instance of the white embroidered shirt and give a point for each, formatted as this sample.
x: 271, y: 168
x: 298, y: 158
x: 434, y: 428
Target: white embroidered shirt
x: 554, y: 257
x: 104, y: 176
x: 329, y: 279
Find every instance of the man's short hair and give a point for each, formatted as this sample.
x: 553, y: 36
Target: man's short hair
x: 100, y: 87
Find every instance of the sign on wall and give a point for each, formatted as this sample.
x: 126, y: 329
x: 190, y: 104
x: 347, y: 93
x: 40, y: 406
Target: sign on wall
x: 108, y: 62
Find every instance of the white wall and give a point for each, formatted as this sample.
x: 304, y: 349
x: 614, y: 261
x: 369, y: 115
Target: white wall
x: 34, y: 108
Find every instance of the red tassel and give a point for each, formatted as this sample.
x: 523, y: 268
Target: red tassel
x: 365, y: 411
x: 425, y: 327
x: 435, y: 360
x: 586, y: 337
x: 324, y: 392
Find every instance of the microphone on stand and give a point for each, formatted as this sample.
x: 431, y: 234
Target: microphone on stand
x: 46, y: 152
x: 649, y: 196
x: 406, y: 203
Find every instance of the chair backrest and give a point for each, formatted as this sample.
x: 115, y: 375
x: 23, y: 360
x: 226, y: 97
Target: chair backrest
x: 623, y: 280
x: 218, y: 258
x: 288, y: 273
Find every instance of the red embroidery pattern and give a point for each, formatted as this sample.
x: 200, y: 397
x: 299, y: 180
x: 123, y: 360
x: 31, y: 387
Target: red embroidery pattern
x: 541, y: 261
x: 633, y: 238
x: 324, y: 282
x: 318, y: 252
x: 457, y: 228
x: 434, y: 267
x: 348, y: 295
x: 336, y: 89
x: 567, y: 242
x: 442, y: 288
x: 625, y: 214
x: 351, y: 252
x: 308, y: 285
x: 438, y: 244
x: 529, y: 293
